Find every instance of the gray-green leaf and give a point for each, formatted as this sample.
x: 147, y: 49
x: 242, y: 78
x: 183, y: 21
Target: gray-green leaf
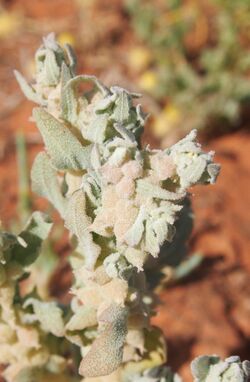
x: 68, y: 98
x: 45, y: 183
x: 122, y: 107
x: 78, y: 222
x: 65, y: 150
x: 27, y: 90
x: 51, y: 68
x: 148, y: 189
x: 36, y: 230
x: 106, y: 353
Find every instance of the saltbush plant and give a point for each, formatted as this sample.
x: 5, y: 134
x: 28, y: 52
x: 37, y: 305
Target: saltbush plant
x: 120, y: 203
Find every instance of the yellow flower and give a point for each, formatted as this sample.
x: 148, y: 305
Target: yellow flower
x: 139, y: 58
x: 9, y: 22
x: 168, y: 119
x: 148, y: 80
x: 66, y: 38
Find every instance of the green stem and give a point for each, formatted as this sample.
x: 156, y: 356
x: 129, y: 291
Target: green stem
x: 24, y: 201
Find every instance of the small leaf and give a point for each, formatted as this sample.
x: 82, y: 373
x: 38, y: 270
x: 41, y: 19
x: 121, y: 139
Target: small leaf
x: 160, y: 227
x: 36, y: 231
x: 134, y: 234
x: 51, y: 68
x: 192, y: 173
x: 27, y: 90
x: 105, y: 355
x: 125, y: 132
x: 48, y: 314
x: 95, y: 158
x: 78, y: 222
x: 200, y: 366
x: 84, y: 317
x: 96, y: 130
x: 44, y: 182
x: 151, y: 242
x: 105, y: 103
x: 136, y: 257
x: 116, y: 266
x: 71, y: 57
x: 122, y: 107
x: 148, y: 189
x: 88, y: 78
x: 213, y: 170
x: 64, y: 148
x: 246, y: 367
x: 68, y: 97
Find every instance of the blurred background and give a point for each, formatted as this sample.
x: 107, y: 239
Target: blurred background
x: 191, y: 61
